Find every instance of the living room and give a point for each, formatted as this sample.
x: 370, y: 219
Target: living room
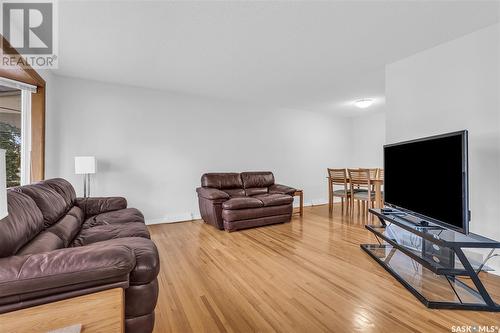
x: 195, y: 139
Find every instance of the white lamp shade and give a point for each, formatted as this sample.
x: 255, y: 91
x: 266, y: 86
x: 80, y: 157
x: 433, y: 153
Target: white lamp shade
x: 85, y: 165
x: 3, y: 191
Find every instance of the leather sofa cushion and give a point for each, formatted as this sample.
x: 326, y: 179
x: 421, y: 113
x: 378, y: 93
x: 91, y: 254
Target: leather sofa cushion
x: 255, y: 191
x: 40, y: 274
x: 147, y: 261
x: 253, y: 213
x: 64, y: 188
x: 67, y: 227
x: 118, y: 216
x: 211, y: 193
x: 258, y: 222
x: 51, y: 204
x: 274, y: 199
x: 242, y: 203
x: 99, y: 205
x: 235, y: 192
x: 257, y: 179
x: 221, y: 180
x: 44, y: 242
x: 22, y: 224
x: 283, y: 189
x: 110, y: 231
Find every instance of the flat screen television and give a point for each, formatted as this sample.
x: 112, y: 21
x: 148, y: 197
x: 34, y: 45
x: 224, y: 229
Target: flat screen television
x: 428, y: 178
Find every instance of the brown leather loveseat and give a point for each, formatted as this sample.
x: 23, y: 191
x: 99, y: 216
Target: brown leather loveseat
x: 233, y: 201
x: 55, y: 246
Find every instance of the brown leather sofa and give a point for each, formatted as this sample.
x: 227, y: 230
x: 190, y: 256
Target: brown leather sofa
x: 233, y: 201
x: 55, y: 246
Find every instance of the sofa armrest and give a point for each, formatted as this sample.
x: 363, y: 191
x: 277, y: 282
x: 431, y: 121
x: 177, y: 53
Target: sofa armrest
x: 282, y: 189
x: 63, y: 270
x: 212, y: 193
x: 94, y: 206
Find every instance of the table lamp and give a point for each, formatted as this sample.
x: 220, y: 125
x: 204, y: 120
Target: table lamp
x: 3, y: 188
x: 85, y: 165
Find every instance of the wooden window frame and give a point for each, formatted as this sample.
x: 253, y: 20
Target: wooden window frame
x: 28, y: 75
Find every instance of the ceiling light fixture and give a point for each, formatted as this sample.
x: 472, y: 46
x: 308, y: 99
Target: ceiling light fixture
x: 364, y: 103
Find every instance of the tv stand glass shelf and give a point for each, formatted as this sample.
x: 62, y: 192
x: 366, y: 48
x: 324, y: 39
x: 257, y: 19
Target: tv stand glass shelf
x: 443, y: 268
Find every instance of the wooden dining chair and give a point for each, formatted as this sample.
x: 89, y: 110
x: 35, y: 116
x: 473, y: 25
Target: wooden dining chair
x: 373, y: 175
x: 361, y: 188
x: 380, y: 175
x: 338, y: 177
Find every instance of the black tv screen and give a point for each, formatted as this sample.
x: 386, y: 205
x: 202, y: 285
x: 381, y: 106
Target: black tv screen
x: 428, y: 177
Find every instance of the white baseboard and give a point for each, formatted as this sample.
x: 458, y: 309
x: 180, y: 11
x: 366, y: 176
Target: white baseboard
x: 174, y: 218
x: 318, y: 202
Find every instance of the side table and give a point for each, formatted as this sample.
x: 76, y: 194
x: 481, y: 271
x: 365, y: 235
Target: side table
x: 300, y: 193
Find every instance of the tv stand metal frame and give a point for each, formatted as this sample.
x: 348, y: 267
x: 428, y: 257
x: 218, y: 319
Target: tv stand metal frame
x: 450, y: 272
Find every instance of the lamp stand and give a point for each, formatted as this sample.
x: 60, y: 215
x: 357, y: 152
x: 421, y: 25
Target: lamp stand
x: 86, y: 185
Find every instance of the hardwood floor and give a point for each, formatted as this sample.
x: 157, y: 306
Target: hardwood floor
x: 309, y: 275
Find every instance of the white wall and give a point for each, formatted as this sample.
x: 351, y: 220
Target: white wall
x: 451, y: 87
x: 367, y: 136
x: 152, y: 146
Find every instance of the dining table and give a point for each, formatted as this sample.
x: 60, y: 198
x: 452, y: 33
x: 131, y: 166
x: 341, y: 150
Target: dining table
x: 377, y: 187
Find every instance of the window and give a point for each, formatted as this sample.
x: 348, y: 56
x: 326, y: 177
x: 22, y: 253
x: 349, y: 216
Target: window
x: 15, y: 132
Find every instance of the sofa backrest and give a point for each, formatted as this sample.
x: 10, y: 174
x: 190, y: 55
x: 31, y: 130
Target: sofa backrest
x: 51, y: 204
x: 24, y: 222
x: 222, y: 180
x: 64, y: 188
x: 42, y: 217
x: 239, y: 184
x: 257, y: 182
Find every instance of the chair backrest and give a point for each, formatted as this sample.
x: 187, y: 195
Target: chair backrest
x: 380, y: 174
x: 373, y: 173
x: 338, y: 176
x: 359, y: 177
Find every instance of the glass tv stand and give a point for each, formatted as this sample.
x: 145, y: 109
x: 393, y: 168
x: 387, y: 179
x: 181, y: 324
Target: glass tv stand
x: 443, y: 268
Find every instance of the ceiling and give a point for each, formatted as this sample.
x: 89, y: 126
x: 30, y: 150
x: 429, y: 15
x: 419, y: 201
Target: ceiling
x: 307, y: 55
